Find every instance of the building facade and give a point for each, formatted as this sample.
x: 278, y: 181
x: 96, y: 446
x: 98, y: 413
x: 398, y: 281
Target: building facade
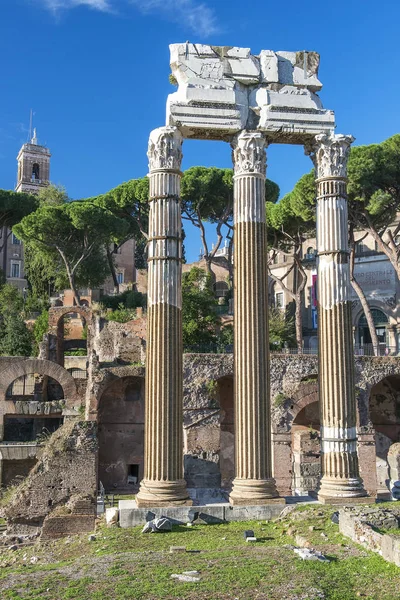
x: 378, y: 280
x: 33, y: 175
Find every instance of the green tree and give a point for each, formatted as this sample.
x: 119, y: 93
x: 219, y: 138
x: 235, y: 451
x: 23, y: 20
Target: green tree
x: 15, y: 206
x: 16, y: 339
x: 290, y: 222
x: 200, y: 321
x: 374, y: 194
x: 281, y: 329
x: 207, y: 197
x: 140, y: 253
x: 11, y: 300
x: 373, y: 203
x: 53, y: 195
x: 73, y: 232
x: 40, y: 327
x: 129, y: 202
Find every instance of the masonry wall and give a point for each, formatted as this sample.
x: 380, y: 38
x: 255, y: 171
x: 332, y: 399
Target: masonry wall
x: 121, y: 433
x: 66, y: 469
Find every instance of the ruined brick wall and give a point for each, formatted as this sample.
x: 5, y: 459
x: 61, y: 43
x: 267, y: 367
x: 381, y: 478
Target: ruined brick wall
x: 123, y: 342
x: 15, y: 470
x: 294, y: 388
x: 67, y: 468
x: 121, y: 433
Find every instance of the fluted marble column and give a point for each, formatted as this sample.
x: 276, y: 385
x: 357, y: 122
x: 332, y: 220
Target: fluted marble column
x: 253, y: 483
x: 340, y: 480
x: 163, y: 482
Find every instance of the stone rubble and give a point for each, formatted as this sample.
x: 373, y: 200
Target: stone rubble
x: 112, y: 515
x: 157, y: 525
x: 310, y: 554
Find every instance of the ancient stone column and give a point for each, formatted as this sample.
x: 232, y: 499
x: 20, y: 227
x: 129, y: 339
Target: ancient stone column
x: 253, y: 483
x: 163, y: 482
x: 340, y: 480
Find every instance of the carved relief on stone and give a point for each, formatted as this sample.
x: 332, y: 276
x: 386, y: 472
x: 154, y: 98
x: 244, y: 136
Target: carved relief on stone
x: 248, y: 153
x: 165, y: 148
x: 330, y: 154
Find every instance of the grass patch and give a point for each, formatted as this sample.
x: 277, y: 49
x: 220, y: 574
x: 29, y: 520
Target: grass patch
x: 125, y: 564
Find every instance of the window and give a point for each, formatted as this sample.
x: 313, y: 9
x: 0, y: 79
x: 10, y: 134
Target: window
x: 276, y: 259
x: 15, y: 269
x: 15, y: 240
x: 221, y: 289
x: 35, y: 172
x: 279, y: 301
x: 360, y: 248
x: 120, y: 277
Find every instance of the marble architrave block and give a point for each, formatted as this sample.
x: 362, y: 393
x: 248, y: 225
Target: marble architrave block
x: 223, y: 90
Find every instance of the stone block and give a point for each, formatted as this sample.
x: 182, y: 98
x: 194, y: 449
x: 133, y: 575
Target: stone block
x: 269, y: 66
x: 391, y: 549
x: 218, y: 85
x: 61, y: 526
x: 131, y: 516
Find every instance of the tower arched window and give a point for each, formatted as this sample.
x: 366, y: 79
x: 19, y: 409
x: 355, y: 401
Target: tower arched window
x: 35, y: 172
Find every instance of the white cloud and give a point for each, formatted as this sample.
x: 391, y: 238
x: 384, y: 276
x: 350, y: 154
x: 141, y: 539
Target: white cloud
x: 194, y: 15
x: 197, y: 16
x: 57, y: 5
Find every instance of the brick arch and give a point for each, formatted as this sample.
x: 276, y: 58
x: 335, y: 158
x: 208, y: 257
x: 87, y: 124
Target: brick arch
x: 23, y: 367
x: 305, y: 395
x: 369, y: 372
x: 56, y: 313
x: 384, y: 366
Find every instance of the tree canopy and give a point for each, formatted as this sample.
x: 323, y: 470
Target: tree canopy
x: 129, y: 202
x: 14, y: 206
x: 199, y: 309
x: 15, y: 337
x: 290, y: 222
x: 72, y: 232
x: 207, y: 196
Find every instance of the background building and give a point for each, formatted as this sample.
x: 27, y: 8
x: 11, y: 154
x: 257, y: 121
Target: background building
x: 32, y: 176
x: 377, y: 278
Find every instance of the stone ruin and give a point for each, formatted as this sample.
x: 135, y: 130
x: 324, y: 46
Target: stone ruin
x: 227, y: 93
x: 224, y: 90
x: 249, y: 101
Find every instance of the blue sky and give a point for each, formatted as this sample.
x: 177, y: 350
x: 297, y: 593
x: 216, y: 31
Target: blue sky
x: 96, y: 74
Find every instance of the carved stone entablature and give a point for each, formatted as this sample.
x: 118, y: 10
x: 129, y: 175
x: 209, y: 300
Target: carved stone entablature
x: 223, y: 90
x: 248, y: 153
x: 165, y: 149
x: 330, y: 154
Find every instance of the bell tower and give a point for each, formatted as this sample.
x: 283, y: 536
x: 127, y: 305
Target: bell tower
x: 33, y: 167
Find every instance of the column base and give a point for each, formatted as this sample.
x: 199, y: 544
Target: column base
x: 256, y: 492
x: 343, y: 491
x: 336, y: 501
x: 162, y: 493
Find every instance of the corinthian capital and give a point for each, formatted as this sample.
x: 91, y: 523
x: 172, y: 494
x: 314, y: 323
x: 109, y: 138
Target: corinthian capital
x: 249, y: 153
x: 165, y: 149
x: 330, y: 154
